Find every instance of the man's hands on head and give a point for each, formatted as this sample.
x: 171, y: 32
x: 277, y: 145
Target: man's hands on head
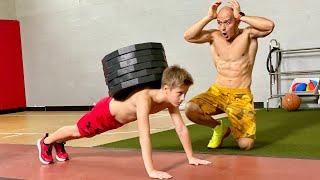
x: 234, y: 4
x: 212, y: 13
x: 236, y: 9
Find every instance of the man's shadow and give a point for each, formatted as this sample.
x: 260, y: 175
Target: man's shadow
x: 272, y: 127
x: 282, y: 124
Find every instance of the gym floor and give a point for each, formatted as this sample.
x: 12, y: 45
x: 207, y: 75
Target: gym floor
x: 28, y: 127
x: 20, y: 131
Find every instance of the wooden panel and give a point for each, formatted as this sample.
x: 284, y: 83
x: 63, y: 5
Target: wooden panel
x: 12, y: 90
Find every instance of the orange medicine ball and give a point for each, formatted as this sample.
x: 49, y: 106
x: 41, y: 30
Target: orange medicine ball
x: 291, y: 102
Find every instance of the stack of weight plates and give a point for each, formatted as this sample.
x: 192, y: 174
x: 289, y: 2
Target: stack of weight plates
x: 133, y: 67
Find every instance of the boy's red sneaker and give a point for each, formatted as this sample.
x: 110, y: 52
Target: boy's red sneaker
x: 45, y: 151
x: 61, y: 154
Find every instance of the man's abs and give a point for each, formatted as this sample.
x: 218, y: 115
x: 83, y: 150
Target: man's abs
x: 239, y: 82
x: 234, y: 61
x: 234, y: 73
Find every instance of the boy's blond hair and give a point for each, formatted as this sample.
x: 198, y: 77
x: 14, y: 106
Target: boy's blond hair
x: 175, y: 76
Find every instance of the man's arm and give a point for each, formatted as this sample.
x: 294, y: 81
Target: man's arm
x: 183, y: 134
x: 259, y: 26
x: 143, y: 105
x: 196, y: 34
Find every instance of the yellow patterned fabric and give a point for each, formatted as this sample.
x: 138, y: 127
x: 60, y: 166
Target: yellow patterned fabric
x: 236, y: 103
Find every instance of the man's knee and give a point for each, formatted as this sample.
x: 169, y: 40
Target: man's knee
x: 246, y: 143
x: 192, y: 111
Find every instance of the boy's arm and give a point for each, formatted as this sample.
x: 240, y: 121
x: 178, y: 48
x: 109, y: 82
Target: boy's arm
x: 181, y: 130
x: 143, y: 105
x: 183, y: 134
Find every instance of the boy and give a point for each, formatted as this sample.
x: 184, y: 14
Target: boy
x: 110, y: 114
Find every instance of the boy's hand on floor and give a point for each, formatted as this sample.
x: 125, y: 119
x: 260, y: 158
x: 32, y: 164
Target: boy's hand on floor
x: 159, y: 175
x: 196, y: 161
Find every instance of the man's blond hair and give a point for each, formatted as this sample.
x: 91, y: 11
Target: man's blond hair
x: 175, y: 76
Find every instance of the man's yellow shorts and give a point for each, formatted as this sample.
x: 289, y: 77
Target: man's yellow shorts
x: 236, y: 103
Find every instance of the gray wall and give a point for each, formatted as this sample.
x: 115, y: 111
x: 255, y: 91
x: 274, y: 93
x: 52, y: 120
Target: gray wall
x: 65, y: 40
x: 7, y: 9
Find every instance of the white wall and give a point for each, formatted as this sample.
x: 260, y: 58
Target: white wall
x: 7, y: 9
x: 65, y: 40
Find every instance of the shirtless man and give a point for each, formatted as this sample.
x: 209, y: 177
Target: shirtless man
x: 234, y: 52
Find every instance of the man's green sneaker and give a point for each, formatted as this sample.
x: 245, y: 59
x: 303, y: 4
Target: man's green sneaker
x: 220, y: 132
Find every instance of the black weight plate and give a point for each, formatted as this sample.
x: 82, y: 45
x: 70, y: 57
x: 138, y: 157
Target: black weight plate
x: 136, y: 74
x: 135, y: 47
x: 123, y: 94
x: 132, y: 55
x: 134, y: 82
x: 135, y: 60
x: 136, y: 67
